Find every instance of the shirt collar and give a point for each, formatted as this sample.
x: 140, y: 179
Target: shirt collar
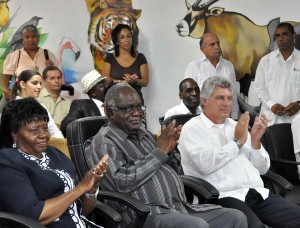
x: 187, y: 111
x: 98, y: 102
x: 40, y: 50
x: 45, y: 93
x: 209, y: 124
x: 278, y: 54
x: 43, y: 162
x: 203, y: 58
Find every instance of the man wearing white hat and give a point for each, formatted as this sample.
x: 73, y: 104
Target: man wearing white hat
x: 95, y: 86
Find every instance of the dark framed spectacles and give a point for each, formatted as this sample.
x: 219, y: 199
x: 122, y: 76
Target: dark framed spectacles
x: 130, y: 109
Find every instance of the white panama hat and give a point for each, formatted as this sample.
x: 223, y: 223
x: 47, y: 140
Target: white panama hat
x: 90, y: 80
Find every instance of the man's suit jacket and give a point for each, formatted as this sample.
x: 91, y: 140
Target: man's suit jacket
x: 79, y: 109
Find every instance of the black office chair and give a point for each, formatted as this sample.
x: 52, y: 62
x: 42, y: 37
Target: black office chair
x: 278, y: 141
x: 2, y: 139
x: 181, y: 119
x: 68, y: 88
x: 78, y: 132
x: 253, y: 110
x: 245, y: 83
x: 10, y: 220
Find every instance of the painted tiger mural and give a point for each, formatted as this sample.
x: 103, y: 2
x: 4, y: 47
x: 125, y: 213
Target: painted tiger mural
x: 104, y: 16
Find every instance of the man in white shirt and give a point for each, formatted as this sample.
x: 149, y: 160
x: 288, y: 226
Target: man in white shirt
x: 277, y: 79
x: 189, y: 92
x: 222, y: 151
x: 213, y: 64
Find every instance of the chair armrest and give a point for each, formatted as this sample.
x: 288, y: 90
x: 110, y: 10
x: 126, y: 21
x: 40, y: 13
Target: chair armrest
x: 201, y: 188
x: 140, y: 208
x: 285, y: 161
x: 279, y: 184
x: 15, y: 220
x: 108, y: 212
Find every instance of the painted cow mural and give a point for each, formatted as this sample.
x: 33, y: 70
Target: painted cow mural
x: 104, y: 16
x: 243, y: 42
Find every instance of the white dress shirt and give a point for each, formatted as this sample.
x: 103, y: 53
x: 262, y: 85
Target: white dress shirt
x: 180, y: 109
x: 201, y: 69
x: 278, y: 81
x: 100, y: 106
x: 209, y: 152
x: 296, y: 133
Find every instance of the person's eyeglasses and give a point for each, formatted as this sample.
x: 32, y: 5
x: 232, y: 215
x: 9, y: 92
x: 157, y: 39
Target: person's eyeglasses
x: 131, y: 109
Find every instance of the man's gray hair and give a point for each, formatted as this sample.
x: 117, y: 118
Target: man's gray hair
x: 113, y: 94
x: 211, y: 83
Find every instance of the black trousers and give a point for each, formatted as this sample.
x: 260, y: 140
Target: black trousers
x: 274, y: 211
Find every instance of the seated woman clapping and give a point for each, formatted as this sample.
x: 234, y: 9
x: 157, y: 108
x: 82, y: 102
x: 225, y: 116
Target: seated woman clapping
x: 37, y: 180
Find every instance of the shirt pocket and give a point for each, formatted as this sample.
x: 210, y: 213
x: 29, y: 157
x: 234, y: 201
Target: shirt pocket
x: 271, y: 79
x: 296, y: 77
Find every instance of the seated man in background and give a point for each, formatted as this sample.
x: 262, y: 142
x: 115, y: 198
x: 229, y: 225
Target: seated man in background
x: 57, y: 105
x: 222, y: 151
x: 141, y: 167
x: 95, y: 86
x: 189, y: 92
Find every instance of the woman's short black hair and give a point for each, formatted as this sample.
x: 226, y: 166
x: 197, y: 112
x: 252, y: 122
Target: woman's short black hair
x: 24, y: 76
x: 19, y: 112
x: 115, y: 38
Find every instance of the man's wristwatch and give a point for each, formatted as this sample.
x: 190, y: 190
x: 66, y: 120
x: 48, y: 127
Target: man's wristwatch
x: 91, y: 196
x: 238, y: 143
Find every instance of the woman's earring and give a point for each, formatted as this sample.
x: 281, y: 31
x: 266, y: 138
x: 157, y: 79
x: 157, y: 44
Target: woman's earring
x: 14, y: 145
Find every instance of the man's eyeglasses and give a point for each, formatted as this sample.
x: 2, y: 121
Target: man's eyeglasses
x: 131, y: 109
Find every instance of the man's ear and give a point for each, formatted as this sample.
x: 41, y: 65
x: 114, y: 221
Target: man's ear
x: 203, y: 101
x: 109, y: 112
x: 180, y: 95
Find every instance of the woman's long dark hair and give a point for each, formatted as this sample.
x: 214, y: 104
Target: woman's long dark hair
x: 25, y: 76
x: 115, y: 38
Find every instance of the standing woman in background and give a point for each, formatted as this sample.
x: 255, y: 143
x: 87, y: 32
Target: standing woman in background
x: 126, y: 64
x: 30, y: 57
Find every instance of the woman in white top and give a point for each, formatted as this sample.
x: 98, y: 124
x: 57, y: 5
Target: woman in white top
x: 29, y: 84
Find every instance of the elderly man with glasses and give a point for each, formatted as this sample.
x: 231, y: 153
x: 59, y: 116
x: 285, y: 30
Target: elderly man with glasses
x: 141, y: 167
